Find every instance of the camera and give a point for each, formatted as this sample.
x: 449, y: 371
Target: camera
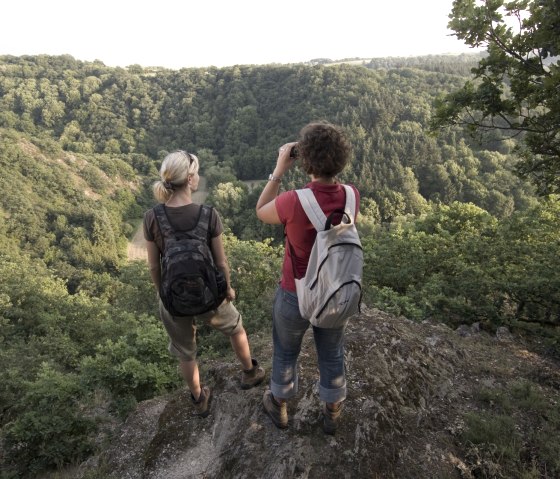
x: 294, y: 152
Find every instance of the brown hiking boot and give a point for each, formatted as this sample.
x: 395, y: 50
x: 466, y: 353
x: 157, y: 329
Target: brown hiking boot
x: 202, y: 404
x: 252, y: 377
x: 278, y: 412
x: 330, y: 418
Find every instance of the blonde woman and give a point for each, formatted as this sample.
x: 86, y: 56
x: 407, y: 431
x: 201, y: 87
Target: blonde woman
x: 179, y: 179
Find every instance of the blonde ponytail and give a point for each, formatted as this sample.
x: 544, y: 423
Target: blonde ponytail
x: 174, y: 172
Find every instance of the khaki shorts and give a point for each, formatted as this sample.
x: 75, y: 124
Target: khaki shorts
x: 182, y: 330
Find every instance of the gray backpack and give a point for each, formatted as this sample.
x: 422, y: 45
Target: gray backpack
x: 330, y: 292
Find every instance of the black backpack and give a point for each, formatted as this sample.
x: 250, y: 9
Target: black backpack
x: 190, y: 282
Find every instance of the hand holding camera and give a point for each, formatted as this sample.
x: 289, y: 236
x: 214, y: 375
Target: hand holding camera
x: 291, y: 147
x: 294, y: 152
x: 287, y: 155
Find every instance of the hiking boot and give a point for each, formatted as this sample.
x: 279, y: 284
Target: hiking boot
x: 252, y: 377
x: 202, y: 404
x: 330, y: 418
x: 278, y: 412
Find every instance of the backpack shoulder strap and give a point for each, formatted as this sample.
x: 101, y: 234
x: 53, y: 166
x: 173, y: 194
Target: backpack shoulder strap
x: 163, y: 221
x: 202, y: 228
x: 314, y: 211
x: 350, y: 207
x: 201, y: 231
x: 312, y: 208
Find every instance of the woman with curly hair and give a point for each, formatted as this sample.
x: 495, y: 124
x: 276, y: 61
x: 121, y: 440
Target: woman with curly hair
x: 323, y: 151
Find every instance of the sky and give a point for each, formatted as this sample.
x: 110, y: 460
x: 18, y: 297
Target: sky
x: 183, y: 33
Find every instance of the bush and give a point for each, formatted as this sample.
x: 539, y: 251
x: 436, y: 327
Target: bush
x: 133, y: 367
x: 51, y: 429
x: 390, y: 301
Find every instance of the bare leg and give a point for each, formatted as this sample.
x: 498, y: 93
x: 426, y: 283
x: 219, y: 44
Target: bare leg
x: 189, y: 371
x: 240, y: 345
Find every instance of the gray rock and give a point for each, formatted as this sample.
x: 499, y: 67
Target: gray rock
x: 463, y: 331
x: 401, y: 376
x: 503, y: 335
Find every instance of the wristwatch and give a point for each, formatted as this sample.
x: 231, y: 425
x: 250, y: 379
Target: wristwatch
x: 271, y: 177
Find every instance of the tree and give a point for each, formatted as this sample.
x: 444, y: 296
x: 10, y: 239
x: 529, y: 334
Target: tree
x: 229, y: 199
x: 516, y: 87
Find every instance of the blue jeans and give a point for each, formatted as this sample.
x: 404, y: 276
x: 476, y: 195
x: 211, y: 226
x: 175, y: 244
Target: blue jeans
x: 288, y: 328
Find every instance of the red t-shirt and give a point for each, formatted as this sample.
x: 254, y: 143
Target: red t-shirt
x: 298, y: 229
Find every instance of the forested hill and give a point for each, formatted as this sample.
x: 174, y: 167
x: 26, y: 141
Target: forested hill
x: 450, y: 234
x: 237, y: 117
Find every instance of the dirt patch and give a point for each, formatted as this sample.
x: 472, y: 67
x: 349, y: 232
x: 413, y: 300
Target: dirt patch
x: 137, y: 247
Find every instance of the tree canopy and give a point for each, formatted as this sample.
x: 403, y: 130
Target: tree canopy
x: 516, y: 87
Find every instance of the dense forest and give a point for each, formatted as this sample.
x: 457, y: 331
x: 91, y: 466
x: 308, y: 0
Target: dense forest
x: 450, y: 233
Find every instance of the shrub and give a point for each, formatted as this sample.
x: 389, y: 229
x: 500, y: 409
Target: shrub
x: 51, y: 429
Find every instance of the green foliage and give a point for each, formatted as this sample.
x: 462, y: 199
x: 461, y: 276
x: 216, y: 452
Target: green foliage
x: 236, y: 204
x: 495, y: 430
x: 527, y: 265
x: 133, y: 367
x: 390, y: 301
x: 255, y: 272
x: 518, y: 423
x: 458, y: 264
x: 64, y: 209
x: 516, y: 83
x: 236, y: 118
x: 229, y: 199
x: 47, y: 417
x: 431, y: 262
x: 53, y: 427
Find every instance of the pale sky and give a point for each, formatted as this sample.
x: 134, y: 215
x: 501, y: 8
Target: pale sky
x: 186, y: 33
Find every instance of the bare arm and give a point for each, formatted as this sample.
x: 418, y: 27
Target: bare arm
x: 220, y: 259
x: 154, y: 263
x: 266, y: 206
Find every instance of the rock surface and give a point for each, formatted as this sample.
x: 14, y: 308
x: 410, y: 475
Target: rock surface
x: 409, y: 385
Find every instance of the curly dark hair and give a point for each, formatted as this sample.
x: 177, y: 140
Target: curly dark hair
x: 323, y: 149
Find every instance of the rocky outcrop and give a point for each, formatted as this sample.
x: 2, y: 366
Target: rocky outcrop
x: 408, y: 386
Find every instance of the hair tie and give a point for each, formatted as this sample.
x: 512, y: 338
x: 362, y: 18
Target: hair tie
x: 168, y: 186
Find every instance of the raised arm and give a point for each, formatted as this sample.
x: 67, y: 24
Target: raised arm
x: 266, y: 207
